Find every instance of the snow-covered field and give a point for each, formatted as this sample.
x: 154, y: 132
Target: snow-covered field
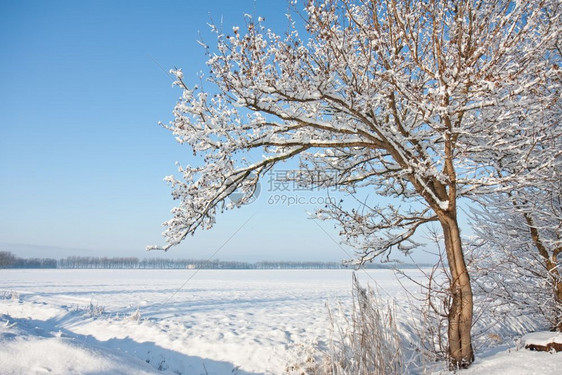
x: 219, y: 322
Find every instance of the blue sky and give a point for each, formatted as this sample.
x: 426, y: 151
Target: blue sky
x: 82, y: 158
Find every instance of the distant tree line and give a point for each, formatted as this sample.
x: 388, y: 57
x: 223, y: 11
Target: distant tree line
x: 9, y: 260
x: 98, y: 262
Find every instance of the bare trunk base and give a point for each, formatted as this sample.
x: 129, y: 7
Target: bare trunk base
x: 461, y: 353
x: 557, y: 301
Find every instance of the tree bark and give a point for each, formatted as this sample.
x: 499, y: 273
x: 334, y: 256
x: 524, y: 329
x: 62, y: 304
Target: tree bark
x: 551, y: 264
x: 460, y: 316
x: 558, y: 301
x: 553, y: 272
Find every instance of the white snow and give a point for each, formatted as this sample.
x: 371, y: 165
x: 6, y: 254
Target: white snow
x: 220, y: 322
x: 253, y: 321
x: 516, y: 362
x: 30, y: 347
x: 542, y: 338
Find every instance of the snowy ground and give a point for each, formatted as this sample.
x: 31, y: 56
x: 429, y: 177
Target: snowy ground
x: 220, y: 322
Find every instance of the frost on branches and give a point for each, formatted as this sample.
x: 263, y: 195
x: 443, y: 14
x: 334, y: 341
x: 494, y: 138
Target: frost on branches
x: 519, y: 224
x: 402, y: 98
x: 519, y: 238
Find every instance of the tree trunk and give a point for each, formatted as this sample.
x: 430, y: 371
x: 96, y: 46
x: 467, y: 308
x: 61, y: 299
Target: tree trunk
x: 551, y: 266
x: 558, y: 302
x: 460, y: 316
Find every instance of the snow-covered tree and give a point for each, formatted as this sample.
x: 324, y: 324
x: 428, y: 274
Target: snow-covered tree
x: 519, y: 231
x: 519, y: 225
x: 396, y: 96
x: 515, y: 260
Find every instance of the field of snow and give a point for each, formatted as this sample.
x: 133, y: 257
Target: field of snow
x: 183, y: 321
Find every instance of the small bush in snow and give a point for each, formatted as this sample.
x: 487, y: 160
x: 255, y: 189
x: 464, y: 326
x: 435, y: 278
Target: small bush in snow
x: 95, y: 310
x: 10, y: 294
x: 136, y: 316
x: 368, y: 341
